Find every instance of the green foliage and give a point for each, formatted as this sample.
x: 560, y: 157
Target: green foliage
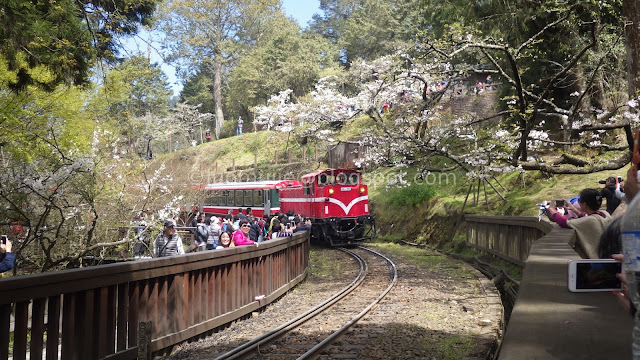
x: 367, y: 28
x: 410, y: 196
x: 283, y: 58
x: 198, y: 90
x: 65, y: 36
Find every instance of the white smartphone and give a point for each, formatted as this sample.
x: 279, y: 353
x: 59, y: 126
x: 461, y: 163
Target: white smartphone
x: 589, y: 275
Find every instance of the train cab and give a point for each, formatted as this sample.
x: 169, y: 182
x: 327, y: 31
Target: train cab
x: 337, y: 202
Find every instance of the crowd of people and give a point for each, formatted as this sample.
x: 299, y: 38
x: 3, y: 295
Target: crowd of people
x: 598, y: 231
x: 210, y: 232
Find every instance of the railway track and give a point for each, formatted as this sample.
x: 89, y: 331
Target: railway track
x: 313, y: 333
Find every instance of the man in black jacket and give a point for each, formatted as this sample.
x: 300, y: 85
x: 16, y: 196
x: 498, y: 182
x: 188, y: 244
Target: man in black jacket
x: 254, y: 231
x: 609, y: 193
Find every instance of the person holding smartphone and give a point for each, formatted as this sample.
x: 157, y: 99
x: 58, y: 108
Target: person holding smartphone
x: 590, y: 222
x: 7, y: 258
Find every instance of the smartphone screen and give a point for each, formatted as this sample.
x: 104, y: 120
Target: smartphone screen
x: 594, y: 276
x: 559, y: 203
x: 4, y: 239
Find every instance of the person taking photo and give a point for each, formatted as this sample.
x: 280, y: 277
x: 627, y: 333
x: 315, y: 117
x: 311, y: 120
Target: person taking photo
x: 7, y: 258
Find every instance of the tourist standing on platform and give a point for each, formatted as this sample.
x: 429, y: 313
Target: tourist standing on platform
x: 275, y: 230
x: 202, y: 235
x: 227, y: 224
x: 609, y: 193
x: 214, y: 233
x: 287, y: 230
x: 254, y: 230
x: 302, y: 225
x: 239, y: 128
x: 7, y: 258
x: 589, y: 225
x: 168, y: 242
x: 226, y: 240
x: 241, y: 236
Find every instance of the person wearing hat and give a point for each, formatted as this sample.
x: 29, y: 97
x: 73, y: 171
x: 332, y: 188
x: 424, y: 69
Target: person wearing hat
x: 7, y: 258
x: 168, y: 242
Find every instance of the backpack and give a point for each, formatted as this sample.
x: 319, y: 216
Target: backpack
x: 254, y: 233
x: 202, y: 233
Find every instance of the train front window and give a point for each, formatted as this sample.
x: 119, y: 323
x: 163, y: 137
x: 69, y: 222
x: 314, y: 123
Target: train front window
x: 326, y: 179
x: 342, y: 179
x: 348, y: 179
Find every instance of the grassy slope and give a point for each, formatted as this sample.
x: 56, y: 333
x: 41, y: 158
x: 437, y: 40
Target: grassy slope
x: 198, y: 164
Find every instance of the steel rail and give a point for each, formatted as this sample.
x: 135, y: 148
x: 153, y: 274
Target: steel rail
x: 337, y: 333
x: 282, y: 329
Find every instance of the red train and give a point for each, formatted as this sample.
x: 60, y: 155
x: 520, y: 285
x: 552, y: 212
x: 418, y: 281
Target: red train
x: 335, y: 200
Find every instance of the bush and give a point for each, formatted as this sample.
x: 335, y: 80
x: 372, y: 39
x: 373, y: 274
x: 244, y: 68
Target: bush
x: 411, y: 195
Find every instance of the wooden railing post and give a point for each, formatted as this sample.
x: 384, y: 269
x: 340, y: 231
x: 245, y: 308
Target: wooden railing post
x: 144, y: 340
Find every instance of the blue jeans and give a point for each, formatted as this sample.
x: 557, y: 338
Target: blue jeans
x: 238, y: 131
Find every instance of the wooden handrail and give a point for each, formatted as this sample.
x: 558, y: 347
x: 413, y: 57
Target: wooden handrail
x: 93, y: 313
x: 508, y: 237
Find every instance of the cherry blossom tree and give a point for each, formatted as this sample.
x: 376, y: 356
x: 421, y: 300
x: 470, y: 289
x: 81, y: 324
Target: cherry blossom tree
x: 401, y: 95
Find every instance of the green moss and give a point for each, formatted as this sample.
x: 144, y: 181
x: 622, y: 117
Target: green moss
x: 454, y: 347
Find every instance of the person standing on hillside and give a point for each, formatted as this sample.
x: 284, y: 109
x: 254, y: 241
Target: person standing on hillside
x: 207, y: 135
x: 239, y: 128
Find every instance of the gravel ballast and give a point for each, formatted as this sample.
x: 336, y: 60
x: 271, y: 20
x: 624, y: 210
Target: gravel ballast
x: 440, y: 308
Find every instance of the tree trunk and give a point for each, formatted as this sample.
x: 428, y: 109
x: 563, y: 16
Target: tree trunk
x: 217, y: 93
x: 632, y: 43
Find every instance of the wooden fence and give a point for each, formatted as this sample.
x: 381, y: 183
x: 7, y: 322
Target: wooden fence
x: 95, y: 313
x: 508, y: 237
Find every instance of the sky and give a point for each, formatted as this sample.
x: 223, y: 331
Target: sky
x: 301, y: 10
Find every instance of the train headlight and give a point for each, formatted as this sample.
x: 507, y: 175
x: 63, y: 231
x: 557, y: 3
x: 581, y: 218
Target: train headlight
x: 362, y: 190
x: 331, y: 191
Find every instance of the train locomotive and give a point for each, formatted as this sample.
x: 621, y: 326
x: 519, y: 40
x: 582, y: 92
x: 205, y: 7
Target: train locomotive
x: 335, y: 200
